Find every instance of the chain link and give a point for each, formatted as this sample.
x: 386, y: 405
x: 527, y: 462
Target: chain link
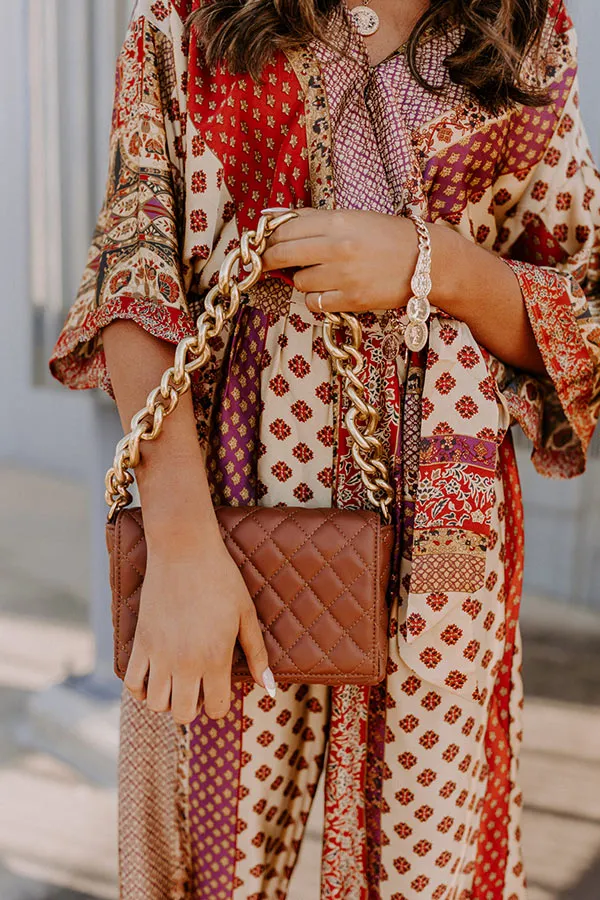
x: 220, y: 306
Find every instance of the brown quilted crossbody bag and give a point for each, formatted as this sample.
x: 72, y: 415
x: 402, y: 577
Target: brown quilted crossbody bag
x: 318, y: 577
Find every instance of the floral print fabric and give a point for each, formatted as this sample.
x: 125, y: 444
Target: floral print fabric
x: 422, y: 797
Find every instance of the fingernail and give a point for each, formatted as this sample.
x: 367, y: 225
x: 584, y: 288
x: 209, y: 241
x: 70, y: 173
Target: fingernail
x: 273, y: 210
x: 269, y: 683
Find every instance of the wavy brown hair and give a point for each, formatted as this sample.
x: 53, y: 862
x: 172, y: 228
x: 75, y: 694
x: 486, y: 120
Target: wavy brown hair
x: 496, y: 37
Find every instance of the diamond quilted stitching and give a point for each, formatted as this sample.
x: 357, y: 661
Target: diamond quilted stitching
x: 314, y: 562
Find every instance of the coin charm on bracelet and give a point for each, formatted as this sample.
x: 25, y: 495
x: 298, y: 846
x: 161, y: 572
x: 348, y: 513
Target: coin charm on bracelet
x: 418, y: 307
x: 415, y: 336
x: 365, y: 19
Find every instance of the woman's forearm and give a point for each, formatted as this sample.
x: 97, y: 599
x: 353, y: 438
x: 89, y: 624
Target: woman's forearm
x: 171, y: 475
x: 476, y: 286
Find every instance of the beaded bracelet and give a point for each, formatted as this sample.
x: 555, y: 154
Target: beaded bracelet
x: 418, y: 307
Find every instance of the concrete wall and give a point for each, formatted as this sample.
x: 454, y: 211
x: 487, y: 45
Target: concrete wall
x: 40, y: 427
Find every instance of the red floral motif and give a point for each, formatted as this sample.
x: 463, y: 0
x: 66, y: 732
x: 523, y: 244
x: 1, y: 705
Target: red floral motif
x: 422, y: 848
x: 402, y: 865
x: 404, y: 796
x: 455, y: 680
x: 472, y: 607
x: 427, y: 407
x: 265, y: 738
x: 445, y: 383
x: 488, y: 388
x: 486, y: 658
x: 319, y: 348
x: 298, y: 323
x: 424, y: 813
x: 263, y: 773
x: 201, y: 251
x: 467, y: 357
x: 281, y: 471
x: 160, y: 10
x: 427, y: 777
x: 460, y: 800
x: 432, y: 358
x: 407, y: 760
x: 416, y: 624
x: 283, y: 340
x: 471, y: 650
x: 430, y: 657
x: 489, y: 620
x: 301, y: 410
x: 466, y: 407
x: 325, y: 476
x: 198, y: 220
x: 452, y: 634
x: 280, y: 429
x: 198, y: 182
x: 450, y: 752
x: 299, y: 366
x: 566, y: 125
x: 420, y: 883
x: 582, y: 234
x: 552, y: 157
x: 302, y: 452
x: 502, y: 197
x: 279, y: 385
x: 588, y: 196
x: 446, y: 791
x: 448, y: 333
x: 325, y: 435
x: 431, y: 701
x: 563, y: 201
x: 483, y: 233
x: 491, y: 581
x: 437, y: 601
x: 303, y: 493
x: 403, y: 830
x: 229, y: 211
x: 411, y: 685
x: 408, y: 723
x: 429, y: 739
x: 453, y: 715
x: 539, y: 190
x: 324, y: 392
x: 468, y: 726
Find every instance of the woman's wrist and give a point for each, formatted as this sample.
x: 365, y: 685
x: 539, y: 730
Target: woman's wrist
x: 447, y: 261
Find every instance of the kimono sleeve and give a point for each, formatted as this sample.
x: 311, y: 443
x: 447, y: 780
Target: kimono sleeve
x: 555, y: 255
x: 134, y: 266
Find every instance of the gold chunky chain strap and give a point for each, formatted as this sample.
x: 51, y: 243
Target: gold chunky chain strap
x: 220, y: 306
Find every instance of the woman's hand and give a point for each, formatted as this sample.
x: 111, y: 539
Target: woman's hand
x: 358, y: 260
x: 193, y: 607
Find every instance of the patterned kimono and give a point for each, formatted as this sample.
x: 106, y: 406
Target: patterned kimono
x: 421, y: 783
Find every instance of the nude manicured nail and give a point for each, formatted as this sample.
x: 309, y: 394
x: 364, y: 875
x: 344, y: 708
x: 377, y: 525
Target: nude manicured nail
x: 269, y: 683
x: 274, y: 210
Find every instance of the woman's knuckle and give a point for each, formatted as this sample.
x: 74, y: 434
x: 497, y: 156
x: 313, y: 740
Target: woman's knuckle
x: 157, y: 707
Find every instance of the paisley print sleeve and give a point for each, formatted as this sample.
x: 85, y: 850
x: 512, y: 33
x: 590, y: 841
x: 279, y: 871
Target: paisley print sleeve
x: 135, y: 268
x: 551, y: 240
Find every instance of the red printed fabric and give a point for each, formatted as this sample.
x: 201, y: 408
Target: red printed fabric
x: 421, y: 788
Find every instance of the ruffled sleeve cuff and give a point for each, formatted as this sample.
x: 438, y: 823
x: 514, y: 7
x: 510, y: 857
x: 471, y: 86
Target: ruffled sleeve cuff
x: 78, y: 359
x: 557, y: 412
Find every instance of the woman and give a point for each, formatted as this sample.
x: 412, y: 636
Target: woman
x: 466, y: 114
